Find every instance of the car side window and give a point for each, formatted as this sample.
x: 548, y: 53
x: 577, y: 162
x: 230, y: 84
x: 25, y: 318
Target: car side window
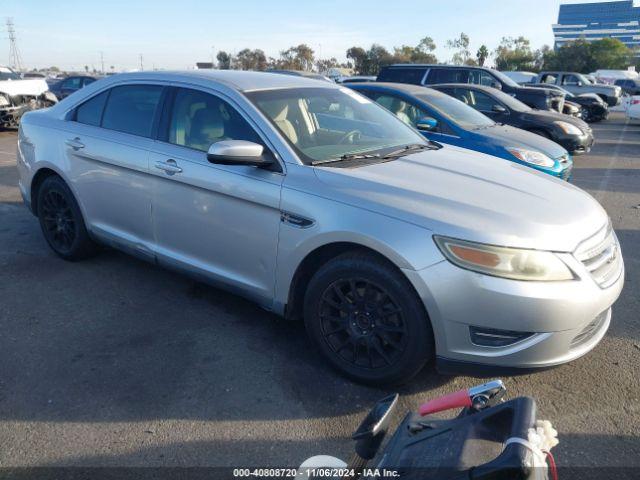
x: 547, y: 78
x: 199, y: 119
x: 131, y: 109
x: 73, y: 83
x: 87, y: 81
x: 90, y: 112
x: 405, y: 111
x: 570, y: 80
x: 448, y: 75
x: 478, y: 100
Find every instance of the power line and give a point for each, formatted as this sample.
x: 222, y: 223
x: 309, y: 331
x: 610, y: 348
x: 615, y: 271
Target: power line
x: 14, y: 54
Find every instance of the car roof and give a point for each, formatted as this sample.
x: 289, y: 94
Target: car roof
x: 435, y: 65
x: 236, y: 79
x: 399, y: 87
x: 473, y: 86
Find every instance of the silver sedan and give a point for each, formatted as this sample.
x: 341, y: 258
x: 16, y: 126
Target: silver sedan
x: 320, y: 205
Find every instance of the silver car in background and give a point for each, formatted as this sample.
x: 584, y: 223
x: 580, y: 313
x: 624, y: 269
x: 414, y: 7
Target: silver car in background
x: 317, y: 203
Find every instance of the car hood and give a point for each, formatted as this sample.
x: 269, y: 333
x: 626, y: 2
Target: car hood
x: 465, y: 194
x: 23, y: 87
x: 551, y: 116
x: 509, y: 136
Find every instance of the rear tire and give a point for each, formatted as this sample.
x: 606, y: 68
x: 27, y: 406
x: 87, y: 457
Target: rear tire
x: 367, y: 320
x: 61, y: 221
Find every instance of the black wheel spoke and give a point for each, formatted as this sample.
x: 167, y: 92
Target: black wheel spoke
x: 362, y: 323
x: 58, y: 221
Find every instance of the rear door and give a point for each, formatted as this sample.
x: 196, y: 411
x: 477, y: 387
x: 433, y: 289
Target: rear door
x: 106, y: 143
x: 218, y: 221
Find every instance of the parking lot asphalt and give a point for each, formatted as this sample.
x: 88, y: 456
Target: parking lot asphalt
x: 115, y: 362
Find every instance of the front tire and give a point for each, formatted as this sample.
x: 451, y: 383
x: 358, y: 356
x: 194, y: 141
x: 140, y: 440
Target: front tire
x: 61, y: 221
x: 367, y: 320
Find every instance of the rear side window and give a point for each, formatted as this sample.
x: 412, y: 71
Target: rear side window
x: 90, y: 112
x: 131, y: 108
x: 447, y: 75
x: 402, y: 75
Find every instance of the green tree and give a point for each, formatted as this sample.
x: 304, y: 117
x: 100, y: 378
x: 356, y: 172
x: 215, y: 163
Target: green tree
x: 482, y: 54
x: 248, y: 59
x: 322, y: 65
x: 224, y: 60
x: 573, y: 56
x: 423, y: 52
x: 514, y: 54
x: 359, y: 57
x: 610, y: 54
x: 297, y: 58
x: 462, y: 55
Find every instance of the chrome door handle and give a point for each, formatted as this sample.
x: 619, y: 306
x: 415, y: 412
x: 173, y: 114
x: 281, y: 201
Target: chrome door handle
x: 75, y: 143
x: 170, y: 167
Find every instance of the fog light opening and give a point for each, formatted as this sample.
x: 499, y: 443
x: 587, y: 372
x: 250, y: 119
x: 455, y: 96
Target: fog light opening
x: 493, y: 337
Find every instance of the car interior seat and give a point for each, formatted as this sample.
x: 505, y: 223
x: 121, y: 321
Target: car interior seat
x: 278, y: 110
x: 398, y: 107
x: 207, y: 127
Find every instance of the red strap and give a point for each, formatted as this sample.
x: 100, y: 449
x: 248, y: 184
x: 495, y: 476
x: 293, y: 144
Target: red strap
x: 552, y: 466
x: 453, y: 400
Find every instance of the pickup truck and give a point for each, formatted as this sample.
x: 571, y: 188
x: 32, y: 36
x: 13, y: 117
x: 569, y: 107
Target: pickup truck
x: 578, y: 83
x: 420, y: 74
x: 18, y: 96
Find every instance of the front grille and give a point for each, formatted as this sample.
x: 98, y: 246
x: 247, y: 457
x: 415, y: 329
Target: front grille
x: 601, y: 257
x: 590, y: 331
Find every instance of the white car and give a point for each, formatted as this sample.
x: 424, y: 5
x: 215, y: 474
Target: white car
x: 18, y: 95
x: 633, y: 110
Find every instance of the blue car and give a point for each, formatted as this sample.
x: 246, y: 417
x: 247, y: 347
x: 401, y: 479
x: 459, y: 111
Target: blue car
x: 444, y: 119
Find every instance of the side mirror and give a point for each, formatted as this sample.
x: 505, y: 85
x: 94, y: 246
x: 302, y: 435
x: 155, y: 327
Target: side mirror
x: 579, y: 83
x: 497, y: 108
x: 426, y: 124
x: 237, y: 152
x: 497, y: 85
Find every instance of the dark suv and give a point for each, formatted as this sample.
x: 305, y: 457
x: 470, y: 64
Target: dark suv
x: 541, y: 99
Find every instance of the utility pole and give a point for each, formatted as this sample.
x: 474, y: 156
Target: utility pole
x: 14, y: 53
x: 141, y: 63
x: 102, y: 61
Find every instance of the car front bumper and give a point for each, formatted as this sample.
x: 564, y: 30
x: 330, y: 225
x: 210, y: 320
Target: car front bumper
x: 574, y: 144
x: 565, y: 320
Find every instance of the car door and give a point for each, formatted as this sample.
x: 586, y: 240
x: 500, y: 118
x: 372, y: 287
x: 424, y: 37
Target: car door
x: 106, y: 144
x: 217, y: 221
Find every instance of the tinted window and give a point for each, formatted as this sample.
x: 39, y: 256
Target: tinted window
x: 73, y: 83
x: 199, y: 119
x: 87, y: 81
x: 447, y: 75
x: 90, y: 112
x: 402, y: 75
x: 130, y: 109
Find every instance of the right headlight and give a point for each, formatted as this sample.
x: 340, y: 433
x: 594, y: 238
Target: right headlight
x: 532, y: 157
x: 4, y: 101
x: 568, y: 128
x: 513, y: 263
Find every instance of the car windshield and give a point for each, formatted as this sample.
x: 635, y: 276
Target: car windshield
x: 8, y: 74
x: 325, y: 124
x: 456, y: 111
x: 504, y: 79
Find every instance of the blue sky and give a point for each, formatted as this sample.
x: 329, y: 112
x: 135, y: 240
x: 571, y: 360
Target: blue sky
x: 177, y: 33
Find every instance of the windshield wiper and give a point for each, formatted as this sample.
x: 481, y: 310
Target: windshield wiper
x: 414, y: 147
x: 347, y: 156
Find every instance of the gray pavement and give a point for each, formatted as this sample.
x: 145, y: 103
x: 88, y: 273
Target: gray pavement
x: 114, y: 362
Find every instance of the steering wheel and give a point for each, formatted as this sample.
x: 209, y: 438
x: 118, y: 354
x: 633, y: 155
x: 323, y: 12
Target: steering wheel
x: 351, y: 136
